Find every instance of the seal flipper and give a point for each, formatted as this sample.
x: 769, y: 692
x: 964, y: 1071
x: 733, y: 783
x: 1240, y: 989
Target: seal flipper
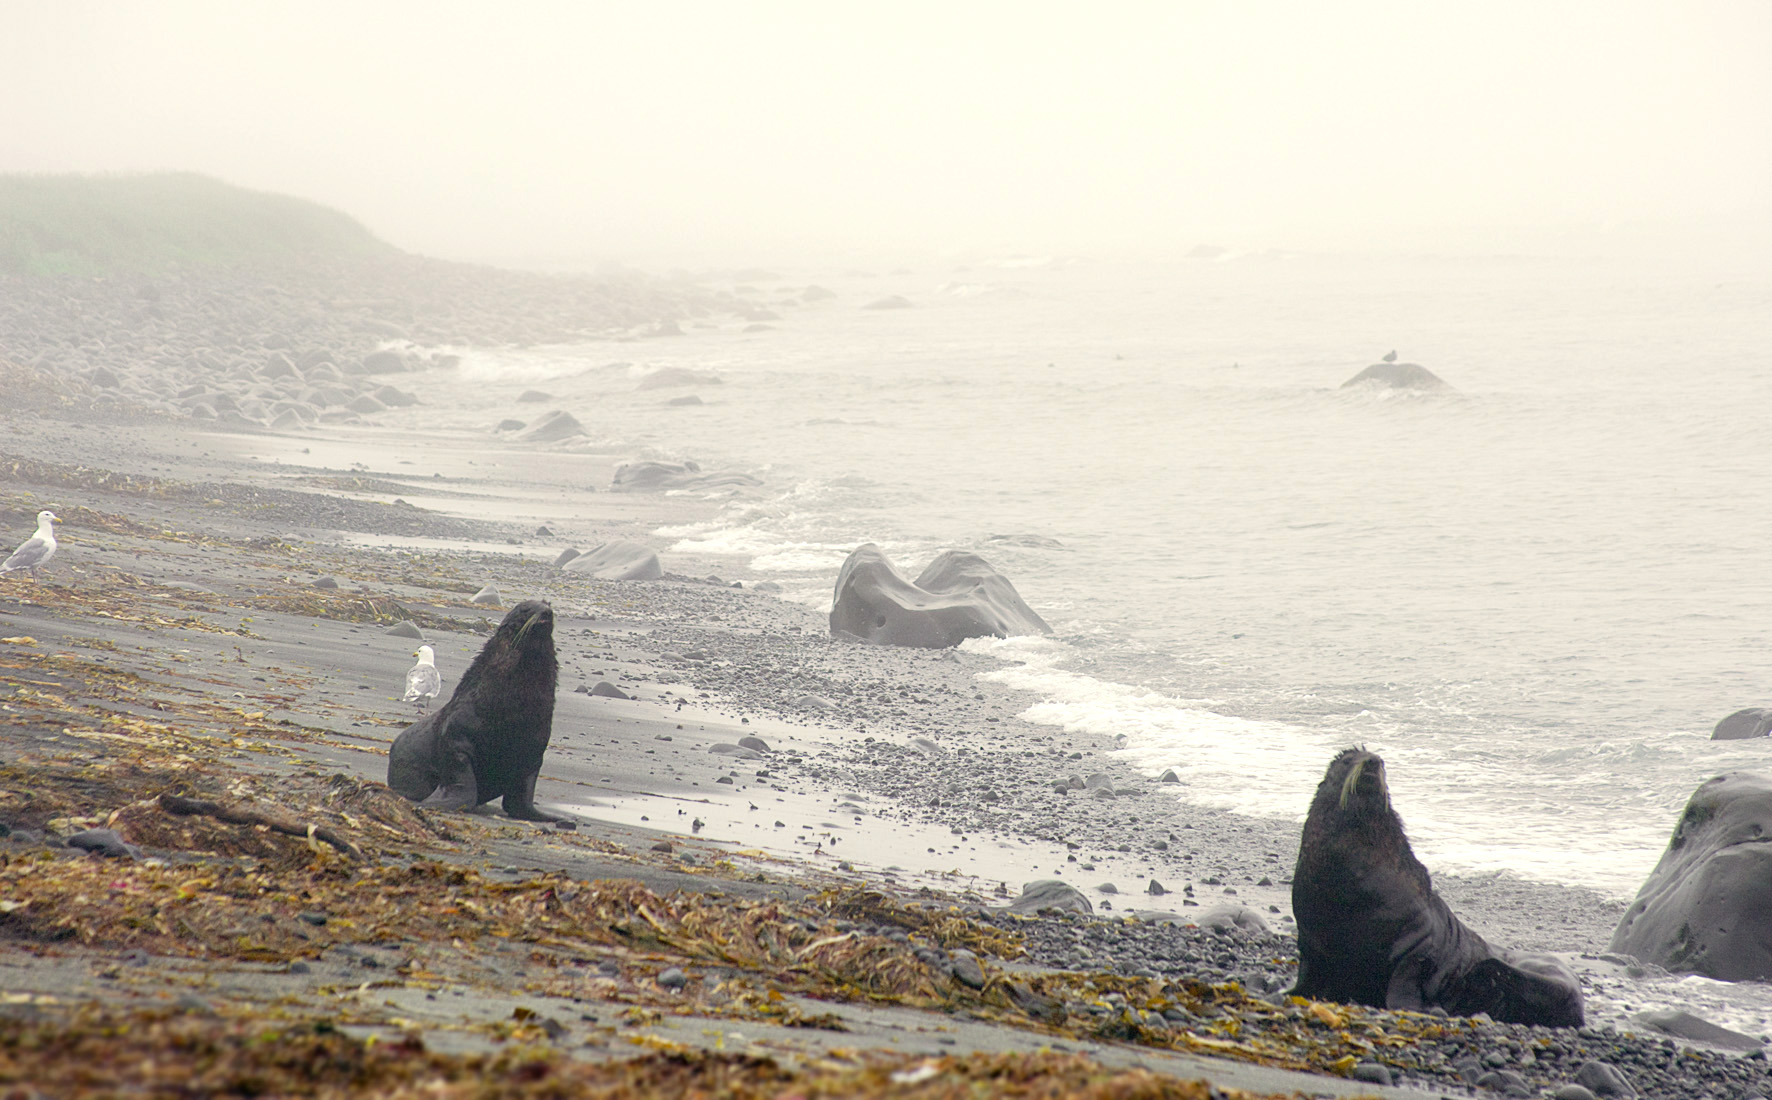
x: 519, y: 802
x: 459, y: 789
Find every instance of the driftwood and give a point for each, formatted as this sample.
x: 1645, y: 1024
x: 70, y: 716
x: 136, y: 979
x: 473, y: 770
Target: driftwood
x: 239, y: 815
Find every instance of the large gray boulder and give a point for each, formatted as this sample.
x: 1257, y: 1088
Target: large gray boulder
x: 1743, y: 724
x: 1707, y: 906
x: 958, y: 596
x: 619, y: 560
x: 1397, y: 376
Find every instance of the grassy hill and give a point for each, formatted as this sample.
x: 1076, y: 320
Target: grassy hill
x: 90, y: 225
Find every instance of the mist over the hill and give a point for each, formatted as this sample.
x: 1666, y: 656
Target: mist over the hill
x: 678, y: 132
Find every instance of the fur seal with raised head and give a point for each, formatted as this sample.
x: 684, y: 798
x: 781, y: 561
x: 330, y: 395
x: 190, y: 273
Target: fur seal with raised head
x: 487, y: 741
x: 1372, y: 931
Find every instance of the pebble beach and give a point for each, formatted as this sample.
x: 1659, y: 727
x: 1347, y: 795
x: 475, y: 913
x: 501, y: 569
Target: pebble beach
x: 253, y: 543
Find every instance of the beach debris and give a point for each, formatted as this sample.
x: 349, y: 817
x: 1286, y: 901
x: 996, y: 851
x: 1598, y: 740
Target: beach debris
x: 244, y: 815
x: 488, y: 596
x: 423, y: 681
x: 618, y: 560
x: 34, y: 552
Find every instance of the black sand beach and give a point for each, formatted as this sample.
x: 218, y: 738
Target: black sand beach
x: 800, y: 918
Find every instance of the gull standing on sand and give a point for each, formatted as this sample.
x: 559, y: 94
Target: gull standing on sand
x: 36, y: 550
x: 423, y: 682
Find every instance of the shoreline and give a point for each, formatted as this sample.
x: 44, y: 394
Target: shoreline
x: 880, y: 759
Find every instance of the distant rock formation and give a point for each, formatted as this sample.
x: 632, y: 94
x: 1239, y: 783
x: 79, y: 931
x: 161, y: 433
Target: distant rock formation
x: 1743, y: 724
x: 618, y: 560
x: 958, y: 596
x: 1707, y: 906
x: 657, y: 477
x: 1398, y: 376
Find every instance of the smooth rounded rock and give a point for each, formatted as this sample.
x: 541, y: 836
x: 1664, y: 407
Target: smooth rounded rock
x: 958, y: 596
x: 618, y: 560
x: 1744, y: 724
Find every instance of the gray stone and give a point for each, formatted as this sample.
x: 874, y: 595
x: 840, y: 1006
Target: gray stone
x: 405, y: 628
x: 488, y: 596
x: 1743, y: 724
x: 1050, y: 893
x: 1397, y: 376
x: 967, y: 968
x: 609, y: 691
x: 1684, y: 1025
x: 618, y: 560
x: 551, y: 426
x: 566, y: 555
x: 1605, y: 1079
x: 104, y: 842
x: 958, y: 596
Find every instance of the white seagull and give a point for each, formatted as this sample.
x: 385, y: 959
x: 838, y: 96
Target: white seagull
x: 36, y: 550
x: 423, y: 682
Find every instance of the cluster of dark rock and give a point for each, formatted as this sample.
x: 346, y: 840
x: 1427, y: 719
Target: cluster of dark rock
x: 957, y: 596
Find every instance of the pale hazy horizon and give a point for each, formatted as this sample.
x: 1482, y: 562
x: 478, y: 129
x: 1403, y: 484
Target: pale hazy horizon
x: 681, y: 132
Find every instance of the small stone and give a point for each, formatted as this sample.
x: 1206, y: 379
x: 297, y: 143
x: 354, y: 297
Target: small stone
x: 662, y: 846
x: 1373, y: 1073
x: 542, y: 532
x: 405, y: 628
x: 566, y: 555
x: 314, y: 918
x: 488, y: 596
x: 609, y: 690
x: 967, y: 968
x: 1604, y: 1079
x: 1155, y: 889
x: 1107, y: 888
x: 553, y: 1027
x: 755, y: 743
x: 326, y: 582
x: 1504, y: 1081
x: 673, y: 979
x: 1169, y: 776
x: 1573, y: 1092
x: 298, y: 967
x: 102, y: 842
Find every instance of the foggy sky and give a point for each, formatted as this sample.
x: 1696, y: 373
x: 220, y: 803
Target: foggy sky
x: 645, y: 130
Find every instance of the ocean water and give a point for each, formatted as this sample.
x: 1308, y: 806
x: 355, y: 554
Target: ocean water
x: 1534, y: 594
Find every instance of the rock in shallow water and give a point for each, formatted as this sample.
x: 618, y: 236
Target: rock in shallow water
x: 958, y: 596
x: 1706, y: 908
x: 1744, y: 724
x: 1397, y: 376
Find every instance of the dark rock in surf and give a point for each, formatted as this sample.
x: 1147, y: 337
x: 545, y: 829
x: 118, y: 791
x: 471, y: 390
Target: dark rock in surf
x: 1397, y: 376
x: 1372, y: 931
x: 1706, y: 908
x: 487, y: 741
x: 958, y: 596
x: 1743, y: 724
x: 618, y: 560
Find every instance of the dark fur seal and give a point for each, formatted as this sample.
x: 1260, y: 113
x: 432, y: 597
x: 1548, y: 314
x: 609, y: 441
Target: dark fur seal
x: 487, y: 741
x: 1372, y: 931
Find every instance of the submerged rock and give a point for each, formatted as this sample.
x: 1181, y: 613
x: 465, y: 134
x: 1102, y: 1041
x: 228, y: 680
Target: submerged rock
x: 1706, y: 908
x: 958, y: 596
x: 1398, y: 376
x: 1743, y: 724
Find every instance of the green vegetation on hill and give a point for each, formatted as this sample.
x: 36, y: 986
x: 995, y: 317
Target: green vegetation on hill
x: 90, y: 225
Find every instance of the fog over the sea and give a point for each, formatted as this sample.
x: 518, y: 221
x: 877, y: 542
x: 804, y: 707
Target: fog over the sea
x: 664, y: 131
